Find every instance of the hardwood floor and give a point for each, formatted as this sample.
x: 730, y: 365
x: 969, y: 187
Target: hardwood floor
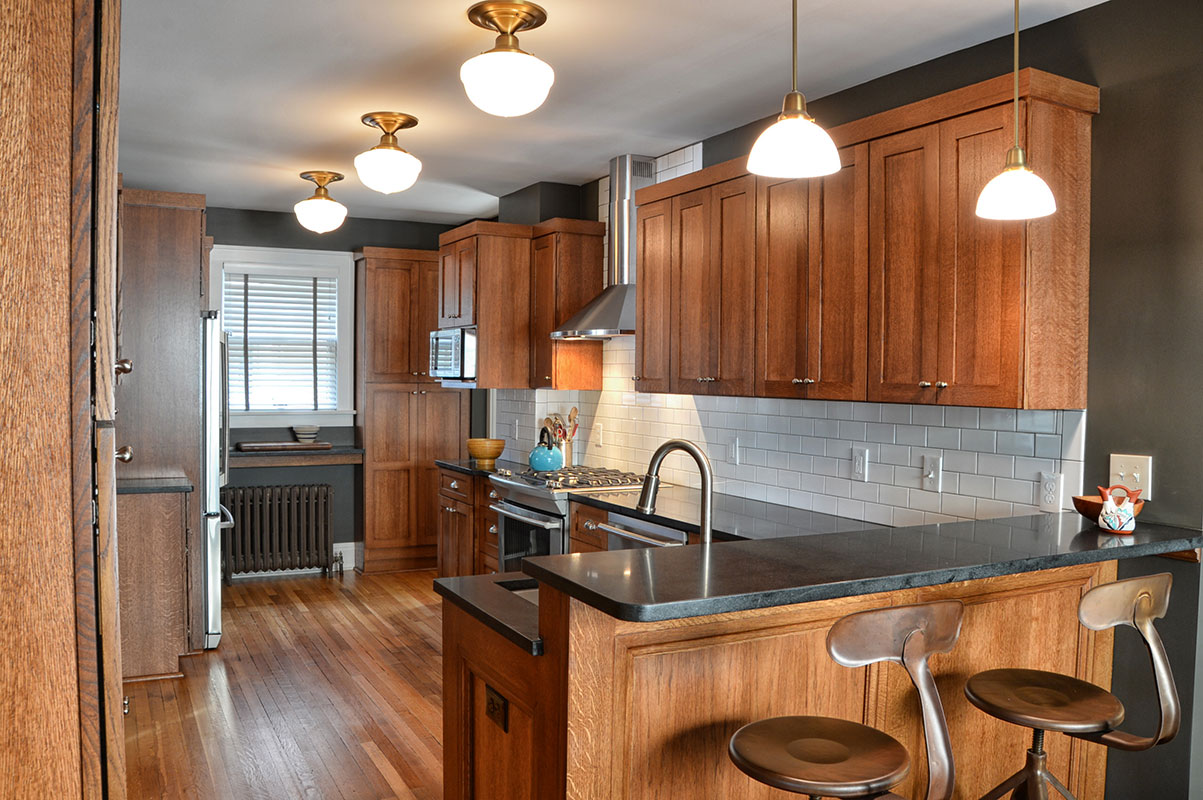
x: 322, y: 688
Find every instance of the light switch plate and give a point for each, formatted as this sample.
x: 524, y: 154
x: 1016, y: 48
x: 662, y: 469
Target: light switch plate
x: 1135, y: 472
x: 932, y: 477
x: 733, y: 454
x: 860, y: 464
x: 1051, y: 484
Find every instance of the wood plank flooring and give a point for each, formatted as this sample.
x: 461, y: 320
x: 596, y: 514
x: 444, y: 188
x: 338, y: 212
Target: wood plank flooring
x: 322, y: 688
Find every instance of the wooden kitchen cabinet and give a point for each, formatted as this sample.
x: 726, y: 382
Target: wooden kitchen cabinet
x: 583, y: 538
x: 485, y: 282
x: 566, y: 264
x: 487, y: 527
x: 812, y: 271
x: 713, y: 280
x: 653, y: 297
x: 395, y: 310
x: 467, y: 527
x: 456, y: 539
x: 405, y: 428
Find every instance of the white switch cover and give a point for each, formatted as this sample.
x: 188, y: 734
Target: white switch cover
x: 1051, y: 484
x: 601, y: 440
x: 733, y: 451
x: 860, y: 464
x: 932, y: 477
x: 1135, y: 472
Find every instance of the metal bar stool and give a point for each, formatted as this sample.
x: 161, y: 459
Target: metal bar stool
x: 1048, y: 701
x: 828, y: 757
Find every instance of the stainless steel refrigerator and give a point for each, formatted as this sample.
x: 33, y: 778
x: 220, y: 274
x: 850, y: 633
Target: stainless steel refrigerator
x: 215, y: 443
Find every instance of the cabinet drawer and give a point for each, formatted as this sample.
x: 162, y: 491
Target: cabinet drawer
x: 580, y: 533
x: 582, y: 546
x: 486, y: 540
x: 456, y: 485
x: 486, y: 493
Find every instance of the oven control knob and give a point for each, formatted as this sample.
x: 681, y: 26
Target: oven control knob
x: 505, y: 473
x: 555, y: 484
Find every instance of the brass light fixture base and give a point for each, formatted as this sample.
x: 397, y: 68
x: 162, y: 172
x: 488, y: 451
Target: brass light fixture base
x: 794, y: 105
x: 389, y: 121
x: 507, y: 19
x: 322, y: 177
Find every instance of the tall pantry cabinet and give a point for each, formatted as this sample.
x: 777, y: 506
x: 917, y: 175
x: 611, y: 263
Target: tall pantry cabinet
x: 406, y: 419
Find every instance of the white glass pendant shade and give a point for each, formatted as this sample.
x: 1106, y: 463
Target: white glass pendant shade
x: 1016, y: 192
x: 320, y: 214
x: 507, y: 83
x: 387, y: 170
x: 794, y: 147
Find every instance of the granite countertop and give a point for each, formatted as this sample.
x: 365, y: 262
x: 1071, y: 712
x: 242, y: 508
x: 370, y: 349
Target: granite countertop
x: 492, y: 600
x: 173, y: 483
x: 678, y: 507
x: 468, y: 466
x: 673, y: 582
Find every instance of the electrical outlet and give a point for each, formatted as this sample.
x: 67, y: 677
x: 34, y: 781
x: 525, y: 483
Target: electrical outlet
x: 733, y: 454
x: 932, y: 477
x: 1051, y: 488
x: 1135, y: 472
x: 860, y: 464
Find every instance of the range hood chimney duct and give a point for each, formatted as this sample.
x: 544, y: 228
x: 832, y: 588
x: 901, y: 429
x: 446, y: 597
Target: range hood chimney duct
x: 612, y: 313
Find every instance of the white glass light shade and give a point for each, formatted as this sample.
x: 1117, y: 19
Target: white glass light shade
x: 1016, y: 193
x: 794, y: 147
x: 387, y: 170
x: 506, y: 83
x: 320, y: 214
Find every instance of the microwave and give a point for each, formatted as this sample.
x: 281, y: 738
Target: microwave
x: 453, y: 354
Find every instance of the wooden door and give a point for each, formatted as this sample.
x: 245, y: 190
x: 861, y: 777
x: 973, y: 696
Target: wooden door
x: 457, y: 283
x: 732, y: 337
x: 543, y: 310
x: 982, y: 269
x: 390, y: 541
x: 388, y: 300
x: 837, y: 318
x: 455, y: 536
x: 423, y: 317
x: 783, y: 287
x: 441, y: 432
x: 695, y: 285
x: 904, y: 180
x: 653, y: 294
x: 153, y: 583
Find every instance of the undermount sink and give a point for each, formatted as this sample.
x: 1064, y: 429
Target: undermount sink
x: 526, y: 588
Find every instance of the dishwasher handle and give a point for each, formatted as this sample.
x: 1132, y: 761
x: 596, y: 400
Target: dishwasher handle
x: 635, y: 537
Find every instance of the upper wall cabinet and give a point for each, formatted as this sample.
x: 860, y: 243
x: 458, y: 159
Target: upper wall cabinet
x: 566, y: 264
x: 485, y: 281
x: 396, y: 292
x: 880, y: 282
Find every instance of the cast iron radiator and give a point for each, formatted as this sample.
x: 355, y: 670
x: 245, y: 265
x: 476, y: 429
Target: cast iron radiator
x: 278, y: 527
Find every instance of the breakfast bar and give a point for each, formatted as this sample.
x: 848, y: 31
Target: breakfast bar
x: 622, y: 674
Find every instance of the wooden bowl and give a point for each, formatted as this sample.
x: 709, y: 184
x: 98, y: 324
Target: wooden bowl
x: 485, y: 451
x: 1091, y: 505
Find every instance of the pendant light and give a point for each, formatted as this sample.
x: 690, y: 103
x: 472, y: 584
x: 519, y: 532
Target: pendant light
x: 387, y: 168
x: 507, y: 81
x: 320, y: 213
x: 1016, y: 192
x: 794, y: 146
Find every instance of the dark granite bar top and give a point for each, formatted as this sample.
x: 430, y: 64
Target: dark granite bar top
x: 468, y: 466
x: 673, y: 582
x: 492, y: 600
x: 732, y: 517
x: 153, y: 485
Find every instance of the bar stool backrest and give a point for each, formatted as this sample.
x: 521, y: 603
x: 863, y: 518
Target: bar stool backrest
x: 907, y: 635
x: 1137, y: 602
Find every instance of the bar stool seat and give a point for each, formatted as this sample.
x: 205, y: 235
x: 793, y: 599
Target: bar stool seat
x: 820, y: 756
x: 1045, y: 700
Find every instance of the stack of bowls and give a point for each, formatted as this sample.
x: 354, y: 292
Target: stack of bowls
x: 305, y: 433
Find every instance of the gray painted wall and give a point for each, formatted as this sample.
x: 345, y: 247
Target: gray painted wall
x: 237, y: 226
x: 1146, y: 297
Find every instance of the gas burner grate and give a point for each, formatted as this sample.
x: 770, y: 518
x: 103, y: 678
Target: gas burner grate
x: 580, y: 477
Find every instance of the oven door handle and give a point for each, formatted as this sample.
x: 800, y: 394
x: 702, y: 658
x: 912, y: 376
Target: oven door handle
x: 538, y: 523
x: 636, y: 537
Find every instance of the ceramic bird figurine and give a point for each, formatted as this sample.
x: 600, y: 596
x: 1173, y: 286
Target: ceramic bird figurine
x: 1118, y: 516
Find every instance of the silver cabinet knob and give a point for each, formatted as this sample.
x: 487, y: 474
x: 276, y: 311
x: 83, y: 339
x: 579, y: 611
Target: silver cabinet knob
x: 492, y: 529
x: 124, y: 454
x: 125, y: 705
x: 590, y: 525
x: 455, y: 484
x: 421, y: 373
x: 546, y: 377
x: 414, y: 374
x: 422, y: 392
x: 802, y: 381
x: 123, y: 366
x: 924, y: 384
x: 636, y: 378
x: 415, y: 391
x: 941, y: 384
x: 492, y: 494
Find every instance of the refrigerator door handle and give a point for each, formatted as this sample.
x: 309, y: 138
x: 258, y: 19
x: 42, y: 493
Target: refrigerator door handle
x: 227, y: 519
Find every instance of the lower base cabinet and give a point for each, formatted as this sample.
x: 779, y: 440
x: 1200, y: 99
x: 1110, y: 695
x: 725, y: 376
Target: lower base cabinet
x: 467, y: 527
x: 152, y: 564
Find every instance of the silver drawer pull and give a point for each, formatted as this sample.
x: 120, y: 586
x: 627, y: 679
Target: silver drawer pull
x: 924, y: 384
x: 492, y: 529
x: 941, y: 384
x: 454, y: 484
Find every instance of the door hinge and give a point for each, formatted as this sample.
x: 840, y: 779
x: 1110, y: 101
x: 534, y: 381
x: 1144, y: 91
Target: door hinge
x: 92, y: 333
x: 95, y: 518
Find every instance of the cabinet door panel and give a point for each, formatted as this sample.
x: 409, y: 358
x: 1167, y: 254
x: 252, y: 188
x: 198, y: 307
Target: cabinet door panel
x: 389, y: 508
x: 732, y: 253
x: 152, y: 574
x: 423, y: 317
x: 388, y: 300
x: 543, y: 309
x: 465, y: 259
x: 388, y: 424
x: 695, y: 284
x: 654, y: 297
x: 837, y: 344
x: 449, y: 280
x: 903, y: 260
x: 441, y: 430
x: 783, y: 255
x: 982, y: 278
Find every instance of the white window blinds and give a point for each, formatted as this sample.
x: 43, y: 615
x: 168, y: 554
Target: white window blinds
x: 283, y: 341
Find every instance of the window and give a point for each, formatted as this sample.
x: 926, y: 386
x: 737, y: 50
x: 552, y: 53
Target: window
x: 288, y: 315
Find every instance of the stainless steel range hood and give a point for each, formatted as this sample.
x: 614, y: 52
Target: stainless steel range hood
x: 612, y: 313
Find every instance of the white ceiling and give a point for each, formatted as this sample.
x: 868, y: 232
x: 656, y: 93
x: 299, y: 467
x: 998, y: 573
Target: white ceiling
x: 233, y: 98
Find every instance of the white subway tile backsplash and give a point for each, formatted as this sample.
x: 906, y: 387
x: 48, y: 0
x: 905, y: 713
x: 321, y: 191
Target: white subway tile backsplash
x: 798, y: 452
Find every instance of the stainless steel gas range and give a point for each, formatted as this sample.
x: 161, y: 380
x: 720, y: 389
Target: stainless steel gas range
x: 534, y: 511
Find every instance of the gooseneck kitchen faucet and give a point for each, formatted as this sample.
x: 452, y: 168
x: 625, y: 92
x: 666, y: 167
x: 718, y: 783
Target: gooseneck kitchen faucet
x: 651, y: 481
